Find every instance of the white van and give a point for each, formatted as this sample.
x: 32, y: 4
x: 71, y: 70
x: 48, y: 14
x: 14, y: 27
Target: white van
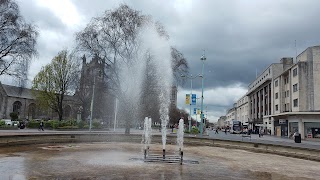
x: 8, y: 122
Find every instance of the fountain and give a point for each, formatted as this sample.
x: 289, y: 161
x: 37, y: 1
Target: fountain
x: 147, y: 135
x: 154, y: 51
x: 180, y: 134
x: 146, y: 139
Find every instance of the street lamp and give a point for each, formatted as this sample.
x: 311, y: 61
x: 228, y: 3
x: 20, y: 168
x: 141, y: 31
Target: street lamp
x: 92, y: 98
x: 203, y: 58
x: 191, y: 78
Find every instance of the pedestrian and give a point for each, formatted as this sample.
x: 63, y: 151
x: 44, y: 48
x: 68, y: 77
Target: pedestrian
x: 216, y: 131
x: 225, y: 130
x: 260, y: 133
x: 41, y: 126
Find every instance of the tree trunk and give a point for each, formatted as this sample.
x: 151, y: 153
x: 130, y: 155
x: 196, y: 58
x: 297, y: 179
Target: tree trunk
x: 60, y: 116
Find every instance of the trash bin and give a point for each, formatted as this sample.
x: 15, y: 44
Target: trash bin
x: 297, y: 138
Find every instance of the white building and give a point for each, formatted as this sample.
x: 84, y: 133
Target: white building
x: 260, y: 96
x: 242, y: 110
x: 297, y: 101
x: 231, y: 114
x: 284, y: 99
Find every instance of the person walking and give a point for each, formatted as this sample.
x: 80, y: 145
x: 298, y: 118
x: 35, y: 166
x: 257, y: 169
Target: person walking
x: 41, y: 126
x: 225, y: 130
x: 217, y: 132
x: 260, y: 132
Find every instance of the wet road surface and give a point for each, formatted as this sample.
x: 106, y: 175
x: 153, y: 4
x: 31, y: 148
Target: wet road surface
x: 114, y: 161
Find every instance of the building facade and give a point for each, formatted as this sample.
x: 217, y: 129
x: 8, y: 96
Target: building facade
x: 231, y: 115
x: 242, y: 110
x: 260, y: 96
x: 23, y: 102
x: 283, y: 99
x: 296, y: 102
x: 221, y: 121
x: 93, y: 79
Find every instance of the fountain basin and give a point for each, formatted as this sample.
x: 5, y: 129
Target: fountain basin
x: 114, y: 161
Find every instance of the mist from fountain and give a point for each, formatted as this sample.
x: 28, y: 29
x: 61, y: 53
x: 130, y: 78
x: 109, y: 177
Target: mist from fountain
x: 156, y: 49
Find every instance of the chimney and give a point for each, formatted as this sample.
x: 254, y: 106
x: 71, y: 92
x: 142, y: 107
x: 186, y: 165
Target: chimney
x: 286, y: 62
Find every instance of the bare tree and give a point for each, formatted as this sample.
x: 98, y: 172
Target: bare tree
x: 179, y: 65
x: 17, y: 41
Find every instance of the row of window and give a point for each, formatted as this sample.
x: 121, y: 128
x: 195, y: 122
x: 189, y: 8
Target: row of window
x: 287, y: 93
x: 286, y: 79
x: 295, y: 104
x: 262, y: 78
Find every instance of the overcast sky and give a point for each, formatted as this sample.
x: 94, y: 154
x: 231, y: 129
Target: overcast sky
x: 239, y: 37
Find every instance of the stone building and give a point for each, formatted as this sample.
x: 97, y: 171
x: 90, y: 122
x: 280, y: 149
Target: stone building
x: 283, y: 98
x: 296, y: 101
x: 22, y: 101
x: 93, y: 79
x: 260, y: 96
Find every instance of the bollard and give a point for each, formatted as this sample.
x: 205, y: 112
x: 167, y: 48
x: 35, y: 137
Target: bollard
x: 164, y: 153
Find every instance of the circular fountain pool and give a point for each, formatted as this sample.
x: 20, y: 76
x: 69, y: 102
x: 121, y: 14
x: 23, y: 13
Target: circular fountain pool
x: 119, y: 161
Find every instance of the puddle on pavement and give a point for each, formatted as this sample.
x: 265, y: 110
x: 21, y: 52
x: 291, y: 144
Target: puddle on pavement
x: 114, y: 161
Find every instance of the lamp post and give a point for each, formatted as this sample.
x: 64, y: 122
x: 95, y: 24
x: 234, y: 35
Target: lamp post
x: 92, y: 98
x: 191, y: 78
x: 203, y: 58
x: 115, y: 114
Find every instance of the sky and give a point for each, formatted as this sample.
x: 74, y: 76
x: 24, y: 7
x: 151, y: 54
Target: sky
x: 240, y: 37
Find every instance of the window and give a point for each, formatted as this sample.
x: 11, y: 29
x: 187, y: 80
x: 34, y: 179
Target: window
x: 276, y: 83
x: 17, y: 107
x: 295, y: 87
x: 288, y: 94
x: 285, y: 80
x: 277, y: 107
x: 295, y: 103
x: 295, y: 72
x: 277, y: 95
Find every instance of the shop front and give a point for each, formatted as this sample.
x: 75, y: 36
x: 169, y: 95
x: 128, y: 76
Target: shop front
x: 312, y: 129
x: 293, y: 127
x: 281, y: 127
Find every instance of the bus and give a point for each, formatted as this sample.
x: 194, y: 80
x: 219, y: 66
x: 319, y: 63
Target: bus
x: 235, y: 127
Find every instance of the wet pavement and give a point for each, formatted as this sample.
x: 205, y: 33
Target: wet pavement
x: 114, y: 161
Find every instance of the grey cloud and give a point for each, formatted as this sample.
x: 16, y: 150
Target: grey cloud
x: 247, y: 38
x: 239, y: 36
x: 40, y: 16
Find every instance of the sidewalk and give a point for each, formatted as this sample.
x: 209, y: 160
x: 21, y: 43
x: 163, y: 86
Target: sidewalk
x: 266, y: 139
